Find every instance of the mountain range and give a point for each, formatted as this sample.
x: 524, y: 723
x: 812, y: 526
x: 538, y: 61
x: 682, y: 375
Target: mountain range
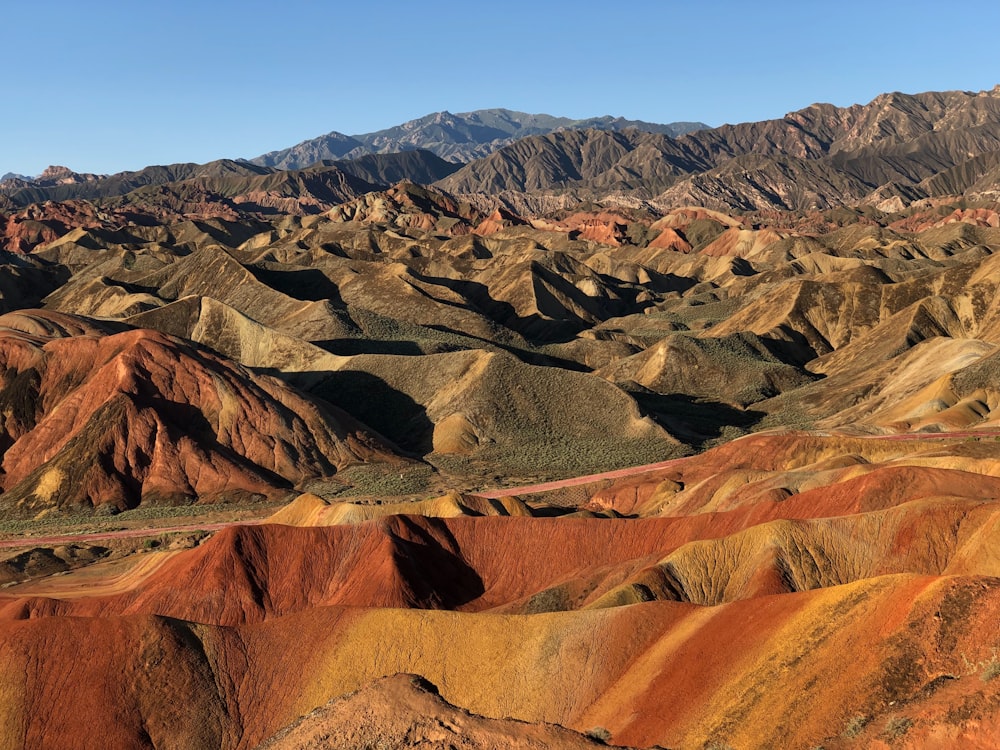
x: 889, y: 153
x: 529, y: 452
x: 459, y: 137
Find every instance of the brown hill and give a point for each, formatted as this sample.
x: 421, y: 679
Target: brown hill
x: 721, y: 667
x: 897, y: 149
x: 581, y: 158
x: 449, y: 404
x: 137, y: 416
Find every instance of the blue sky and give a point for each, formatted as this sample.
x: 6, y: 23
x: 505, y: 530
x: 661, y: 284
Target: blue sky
x: 108, y: 86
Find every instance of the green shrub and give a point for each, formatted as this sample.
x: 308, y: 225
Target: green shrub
x: 600, y: 734
x: 855, y: 726
x: 897, y: 726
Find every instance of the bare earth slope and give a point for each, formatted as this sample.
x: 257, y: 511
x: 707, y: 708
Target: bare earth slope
x: 407, y: 711
x: 888, y: 152
x: 913, y: 583
x: 291, y: 461
x: 113, y: 420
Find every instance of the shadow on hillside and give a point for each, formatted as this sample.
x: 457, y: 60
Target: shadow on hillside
x: 430, y: 563
x: 307, y: 284
x: 559, y: 325
x: 372, y: 401
x: 528, y: 357
x: 794, y: 350
x: 350, y: 347
x: 693, y: 420
x: 188, y: 420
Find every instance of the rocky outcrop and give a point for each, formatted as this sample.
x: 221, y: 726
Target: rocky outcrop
x: 891, y: 152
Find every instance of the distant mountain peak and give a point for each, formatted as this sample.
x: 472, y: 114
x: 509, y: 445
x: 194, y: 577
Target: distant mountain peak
x: 52, y: 176
x: 55, y: 172
x: 897, y: 149
x: 459, y: 138
x: 331, y: 146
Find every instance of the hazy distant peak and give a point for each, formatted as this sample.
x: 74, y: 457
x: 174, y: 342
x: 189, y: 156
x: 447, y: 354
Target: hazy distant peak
x: 458, y: 137
x: 334, y: 145
x: 52, y: 176
x: 15, y: 176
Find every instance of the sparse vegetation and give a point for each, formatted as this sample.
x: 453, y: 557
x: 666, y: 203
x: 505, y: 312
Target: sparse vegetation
x: 377, y: 480
x: 988, y: 669
x: 897, y: 726
x: 856, y: 726
x: 991, y: 671
x: 600, y: 734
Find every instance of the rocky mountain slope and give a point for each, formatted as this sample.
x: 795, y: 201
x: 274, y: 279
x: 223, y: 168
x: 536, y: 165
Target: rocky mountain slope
x: 890, y: 152
x: 458, y: 138
x: 227, y: 187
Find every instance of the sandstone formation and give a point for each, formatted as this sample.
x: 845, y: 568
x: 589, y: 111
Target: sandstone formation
x: 98, y: 419
x: 715, y: 607
x: 608, y: 437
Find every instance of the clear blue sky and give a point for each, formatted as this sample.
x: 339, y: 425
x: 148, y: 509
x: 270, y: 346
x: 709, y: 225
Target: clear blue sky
x: 107, y: 86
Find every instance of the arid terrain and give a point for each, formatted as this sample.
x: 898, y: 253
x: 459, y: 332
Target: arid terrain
x: 584, y: 433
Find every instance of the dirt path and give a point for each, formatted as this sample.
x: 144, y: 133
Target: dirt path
x: 647, y: 468
x: 575, y: 481
x: 991, y: 434
x: 51, y: 541
x: 48, y: 541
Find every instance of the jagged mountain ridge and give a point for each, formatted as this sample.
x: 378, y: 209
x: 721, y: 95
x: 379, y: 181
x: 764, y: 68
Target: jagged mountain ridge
x: 329, y: 182
x: 461, y: 137
x: 897, y: 149
x: 886, y: 152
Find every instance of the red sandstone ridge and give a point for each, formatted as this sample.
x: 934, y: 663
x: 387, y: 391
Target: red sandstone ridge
x: 671, y: 239
x: 91, y: 420
x: 604, y: 227
x: 741, y: 243
x: 498, y: 221
x: 919, y: 646
x: 42, y: 223
x: 771, y: 558
x: 922, y: 220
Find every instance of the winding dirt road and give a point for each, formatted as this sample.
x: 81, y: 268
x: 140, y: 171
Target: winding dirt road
x: 576, y: 481
x: 49, y: 541
x: 646, y: 468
